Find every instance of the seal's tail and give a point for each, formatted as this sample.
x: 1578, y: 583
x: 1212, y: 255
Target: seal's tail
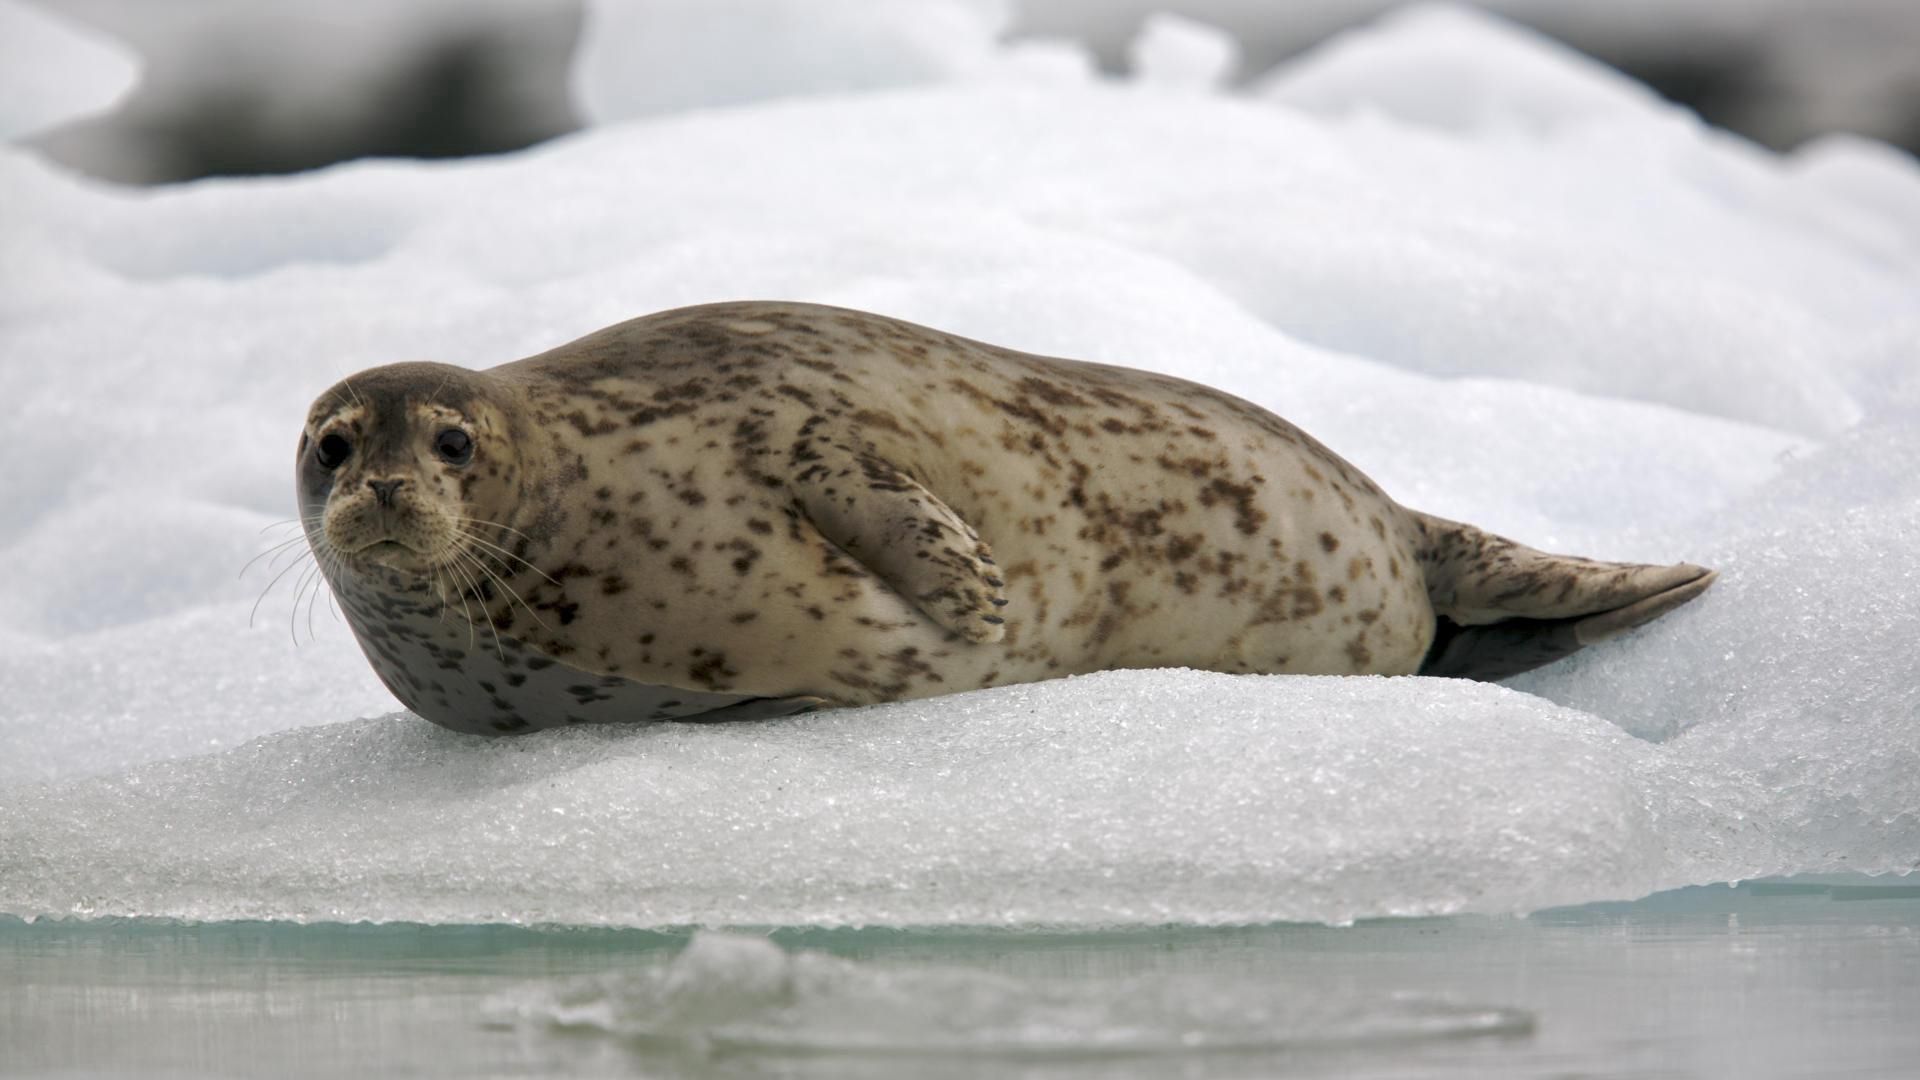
x: 1505, y: 608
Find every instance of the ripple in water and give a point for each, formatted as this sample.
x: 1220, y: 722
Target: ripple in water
x: 726, y: 993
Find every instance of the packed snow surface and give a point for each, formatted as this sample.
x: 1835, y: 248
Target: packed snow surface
x: 1539, y: 300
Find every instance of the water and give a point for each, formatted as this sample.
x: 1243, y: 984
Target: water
x: 1781, y: 980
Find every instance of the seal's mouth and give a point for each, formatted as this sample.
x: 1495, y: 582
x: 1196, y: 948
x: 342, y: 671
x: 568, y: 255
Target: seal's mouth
x: 389, y: 553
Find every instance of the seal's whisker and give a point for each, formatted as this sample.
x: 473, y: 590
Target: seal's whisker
x: 280, y: 555
x: 283, y: 523
x: 442, y: 586
x: 263, y: 592
x: 299, y: 590
x: 469, y: 534
x: 491, y: 525
x: 327, y: 566
x: 498, y: 647
x: 503, y: 553
x: 276, y: 551
x: 464, y: 587
x: 509, y: 589
x: 455, y: 590
x: 319, y: 582
x: 333, y: 601
x: 466, y: 611
x: 329, y: 561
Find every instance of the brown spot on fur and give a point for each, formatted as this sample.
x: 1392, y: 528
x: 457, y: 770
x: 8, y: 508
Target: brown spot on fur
x: 881, y: 420
x: 709, y: 668
x: 1182, y: 548
x: 1247, y: 515
x: 1358, y: 652
x: 1053, y: 393
x: 1198, y: 468
x: 604, y: 426
x: 796, y: 393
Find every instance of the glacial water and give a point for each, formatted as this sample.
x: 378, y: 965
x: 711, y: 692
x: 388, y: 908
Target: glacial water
x: 1802, y: 978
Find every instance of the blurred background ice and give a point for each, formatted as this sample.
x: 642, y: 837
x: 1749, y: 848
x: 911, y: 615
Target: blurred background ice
x: 1517, y: 285
x: 245, y: 86
x: 52, y: 71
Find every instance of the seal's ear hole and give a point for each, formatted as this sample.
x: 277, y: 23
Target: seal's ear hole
x: 332, y: 451
x: 454, y: 446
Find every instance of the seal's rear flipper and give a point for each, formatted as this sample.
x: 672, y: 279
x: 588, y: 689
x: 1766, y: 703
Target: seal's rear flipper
x: 1505, y: 608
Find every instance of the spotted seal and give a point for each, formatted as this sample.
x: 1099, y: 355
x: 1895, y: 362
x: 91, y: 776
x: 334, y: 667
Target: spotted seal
x: 750, y: 509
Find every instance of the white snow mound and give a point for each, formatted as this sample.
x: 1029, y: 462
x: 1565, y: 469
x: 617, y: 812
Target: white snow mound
x: 1173, y: 52
x: 52, y: 71
x: 638, y: 60
x: 1458, y: 69
x: 1594, y: 325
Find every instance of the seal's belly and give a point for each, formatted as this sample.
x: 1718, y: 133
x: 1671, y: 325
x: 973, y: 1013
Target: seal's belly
x: 463, y: 677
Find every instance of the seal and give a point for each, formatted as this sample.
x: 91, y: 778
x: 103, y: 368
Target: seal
x: 752, y: 509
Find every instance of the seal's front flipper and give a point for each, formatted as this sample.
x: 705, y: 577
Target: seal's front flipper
x: 913, y: 541
x: 1505, y: 608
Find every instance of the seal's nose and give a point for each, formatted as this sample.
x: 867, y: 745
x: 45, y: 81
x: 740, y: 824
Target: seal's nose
x: 383, y: 490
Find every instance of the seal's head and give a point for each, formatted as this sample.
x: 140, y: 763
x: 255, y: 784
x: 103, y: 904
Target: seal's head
x: 404, y: 466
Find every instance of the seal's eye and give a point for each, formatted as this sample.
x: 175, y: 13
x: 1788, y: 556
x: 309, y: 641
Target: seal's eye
x: 332, y: 451
x: 453, y: 446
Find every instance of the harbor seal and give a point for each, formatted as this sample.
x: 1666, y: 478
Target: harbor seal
x: 752, y: 509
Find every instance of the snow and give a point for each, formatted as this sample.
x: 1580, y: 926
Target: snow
x: 1877, y: 190
x: 52, y: 71
x: 638, y: 60
x: 1448, y: 67
x: 1541, y: 301
x: 1174, y: 52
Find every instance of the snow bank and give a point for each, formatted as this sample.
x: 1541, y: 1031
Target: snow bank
x: 52, y: 71
x: 1605, y: 329
x: 1460, y: 70
x: 1098, y: 800
x: 638, y: 60
x: 1174, y: 52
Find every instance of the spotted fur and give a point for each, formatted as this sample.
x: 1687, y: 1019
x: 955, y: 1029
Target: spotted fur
x: 770, y: 506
